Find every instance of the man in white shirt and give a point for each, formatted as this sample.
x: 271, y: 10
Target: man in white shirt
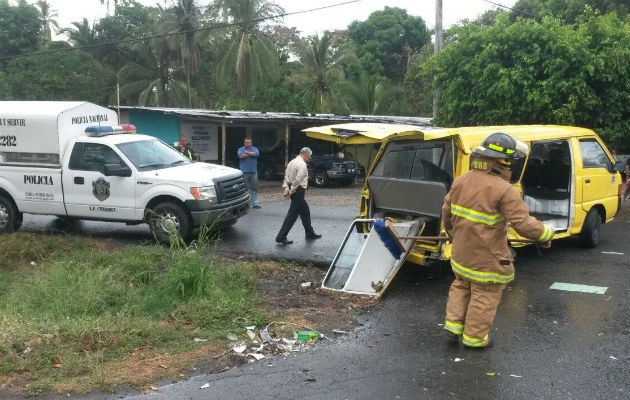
x: 295, y: 185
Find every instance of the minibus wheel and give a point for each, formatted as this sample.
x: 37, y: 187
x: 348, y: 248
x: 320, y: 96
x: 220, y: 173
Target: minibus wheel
x: 590, y: 235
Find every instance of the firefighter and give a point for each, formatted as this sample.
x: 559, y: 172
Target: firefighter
x: 476, y: 213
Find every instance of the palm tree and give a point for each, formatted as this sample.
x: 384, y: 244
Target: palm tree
x: 186, y: 17
x: 250, y: 56
x: 322, y: 67
x: 47, y: 19
x: 150, y: 80
x: 81, y: 35
x: 366, y: 95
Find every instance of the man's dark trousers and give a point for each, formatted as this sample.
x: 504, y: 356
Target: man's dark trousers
x: 298, y: 207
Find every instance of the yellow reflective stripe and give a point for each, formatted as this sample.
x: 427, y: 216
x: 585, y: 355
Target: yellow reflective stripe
x: 501, y: 149
x: 472, y: 342
x: 479, y: 276
x: 453, y: 327
x: 475, y: 216
x: 546, y: 235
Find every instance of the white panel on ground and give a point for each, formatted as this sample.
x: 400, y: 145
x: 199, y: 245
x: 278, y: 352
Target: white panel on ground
x: 363, y: 265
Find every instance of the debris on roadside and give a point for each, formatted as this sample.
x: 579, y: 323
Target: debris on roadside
x: 231, y: 337
x: 239, y: 349
x: 205, y: 386
x: 199, y: 340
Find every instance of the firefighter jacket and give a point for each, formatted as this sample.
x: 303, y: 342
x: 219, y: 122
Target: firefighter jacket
x: 476, y: 214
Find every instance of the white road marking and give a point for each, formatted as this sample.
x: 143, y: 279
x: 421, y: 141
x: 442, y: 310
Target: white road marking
x: 574, y: 287
x: 613, y: 252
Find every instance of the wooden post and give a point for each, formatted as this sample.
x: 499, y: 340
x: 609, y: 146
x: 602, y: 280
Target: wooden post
x: 287, y: 131
x: 223, y: 140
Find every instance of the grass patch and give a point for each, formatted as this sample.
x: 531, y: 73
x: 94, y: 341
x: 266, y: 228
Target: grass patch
x: 82, y: 309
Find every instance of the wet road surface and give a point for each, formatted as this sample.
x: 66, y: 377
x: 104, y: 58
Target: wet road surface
x: 254, y: 234
x: 549, y: 344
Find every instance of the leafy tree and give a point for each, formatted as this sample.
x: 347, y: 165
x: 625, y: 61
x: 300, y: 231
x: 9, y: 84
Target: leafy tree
x: 537, y: 72
x: 569, y: 10
x: 322, y: 67
x: 20, y: 29
x: 47, y: 19
x: 387, y: 40
x: 129, y: 20
x: 75, y: 76
x: 250, y: 56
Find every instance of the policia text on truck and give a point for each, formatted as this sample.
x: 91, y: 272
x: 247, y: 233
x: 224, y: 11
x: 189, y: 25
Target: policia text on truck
x: 70, y: 159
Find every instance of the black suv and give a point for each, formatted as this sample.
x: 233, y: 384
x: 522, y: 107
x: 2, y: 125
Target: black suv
x: 330, y: 168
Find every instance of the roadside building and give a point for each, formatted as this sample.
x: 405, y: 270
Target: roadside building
x: 217, y: 134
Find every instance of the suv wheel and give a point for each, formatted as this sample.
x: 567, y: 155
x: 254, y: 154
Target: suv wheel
x: 10, y: 217
x: 167, y: 219
x: 320, y: 178
x: 589, y: 237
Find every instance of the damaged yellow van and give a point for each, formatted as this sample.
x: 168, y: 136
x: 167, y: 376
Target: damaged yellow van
x: 568, y: 179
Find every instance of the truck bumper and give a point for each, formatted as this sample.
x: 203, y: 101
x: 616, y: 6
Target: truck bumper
x: 217, y: 215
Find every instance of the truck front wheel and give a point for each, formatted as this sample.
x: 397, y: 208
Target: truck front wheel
x: 10, y: 217
x: 169, y: 219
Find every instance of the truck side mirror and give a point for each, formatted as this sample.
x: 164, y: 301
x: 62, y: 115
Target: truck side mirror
x: 116, y: 170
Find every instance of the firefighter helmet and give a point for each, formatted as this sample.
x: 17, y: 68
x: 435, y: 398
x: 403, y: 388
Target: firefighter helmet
x: 501, y: 146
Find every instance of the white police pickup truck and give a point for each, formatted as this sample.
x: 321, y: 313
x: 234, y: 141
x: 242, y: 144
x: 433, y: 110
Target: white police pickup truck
x: 71, y: 159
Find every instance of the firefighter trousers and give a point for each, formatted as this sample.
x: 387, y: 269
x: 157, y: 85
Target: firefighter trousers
x: 471, y: 309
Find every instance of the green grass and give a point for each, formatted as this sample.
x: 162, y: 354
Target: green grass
x: 87, y: 307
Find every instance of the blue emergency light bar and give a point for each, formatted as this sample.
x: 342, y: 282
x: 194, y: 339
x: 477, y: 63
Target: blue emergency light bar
x: 103, y: 130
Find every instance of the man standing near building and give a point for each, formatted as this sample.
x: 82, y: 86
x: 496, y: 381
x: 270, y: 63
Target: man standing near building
x: 295, y: 185
x: 476, y: 213
x: 248, y: 162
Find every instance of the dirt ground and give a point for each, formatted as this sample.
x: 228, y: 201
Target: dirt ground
x: 294, y: 308
x: 334, y: 194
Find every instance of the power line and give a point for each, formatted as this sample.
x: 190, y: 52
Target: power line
x: 218, y: 26
x: 511, y: 9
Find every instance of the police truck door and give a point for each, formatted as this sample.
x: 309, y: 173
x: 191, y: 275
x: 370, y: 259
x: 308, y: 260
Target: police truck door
x: 89, y: 193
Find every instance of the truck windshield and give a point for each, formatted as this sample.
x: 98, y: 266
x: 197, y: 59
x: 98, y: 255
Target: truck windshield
x: 148, y: 155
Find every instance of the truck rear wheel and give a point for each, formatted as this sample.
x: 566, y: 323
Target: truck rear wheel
x: 320, y: 178
x: 167, y: 219
x: 10, y: 217
x: 589, y: 237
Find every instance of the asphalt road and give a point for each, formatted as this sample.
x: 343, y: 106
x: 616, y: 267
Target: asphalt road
x: 550, y: 344
x: 253, y: 235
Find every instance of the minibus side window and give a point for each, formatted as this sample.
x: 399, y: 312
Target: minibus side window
x: 395, y: 164
x: 593, y: 156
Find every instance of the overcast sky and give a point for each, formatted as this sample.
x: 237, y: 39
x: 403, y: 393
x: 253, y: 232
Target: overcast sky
x: 318, y: 21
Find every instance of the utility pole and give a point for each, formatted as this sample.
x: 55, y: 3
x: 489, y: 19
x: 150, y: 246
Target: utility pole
x: 436, y: 49
x: 118, y: 100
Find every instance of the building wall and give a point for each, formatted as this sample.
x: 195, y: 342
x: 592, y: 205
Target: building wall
x: 161, y: 126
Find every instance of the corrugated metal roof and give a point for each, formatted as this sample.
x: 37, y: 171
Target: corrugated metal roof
x: 244, y: 116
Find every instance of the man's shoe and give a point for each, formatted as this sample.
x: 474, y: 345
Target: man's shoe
x: 313, y: 236
x: 284, y: 241
x: 256, y: 206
